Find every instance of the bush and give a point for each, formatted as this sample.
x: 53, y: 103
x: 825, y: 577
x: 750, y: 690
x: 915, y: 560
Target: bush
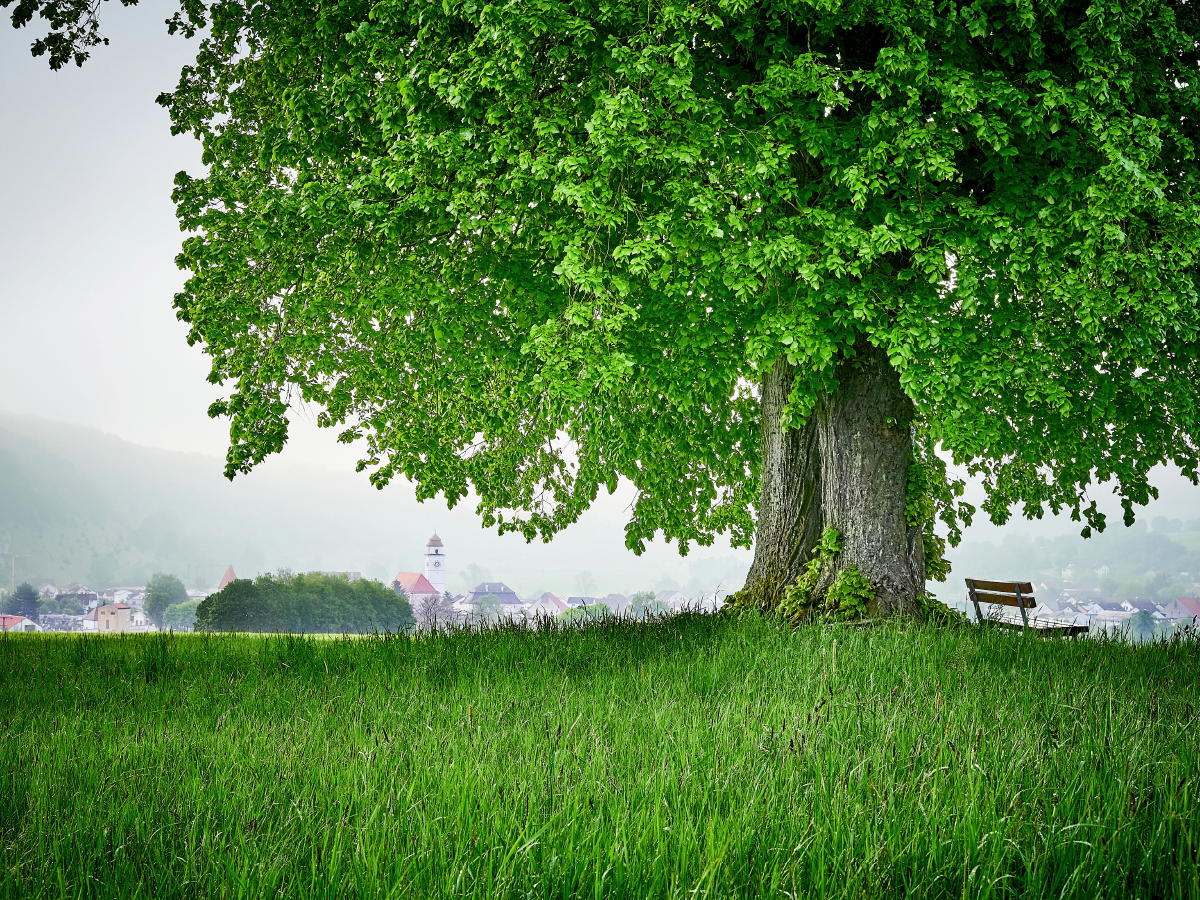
x: 591, y: 611
x: 644, y: 606
x: 312, y: 603
x: 181, y: 616
x: 67, y: 606
x: 161, y: 591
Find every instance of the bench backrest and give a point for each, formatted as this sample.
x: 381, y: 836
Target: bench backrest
x: 1006, y: 593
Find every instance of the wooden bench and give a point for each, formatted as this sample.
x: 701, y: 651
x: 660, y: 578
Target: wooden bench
x: 1020, y: 595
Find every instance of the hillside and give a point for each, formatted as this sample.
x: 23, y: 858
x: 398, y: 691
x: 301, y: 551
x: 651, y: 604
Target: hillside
x: 88, y: 506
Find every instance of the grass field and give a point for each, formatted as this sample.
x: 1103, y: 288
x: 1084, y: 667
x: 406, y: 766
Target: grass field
x: 698, y: 757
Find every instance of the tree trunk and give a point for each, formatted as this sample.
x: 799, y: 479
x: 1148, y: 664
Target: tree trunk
x: 846, y: 467
x: 789, y: 508
x: 864, y: 438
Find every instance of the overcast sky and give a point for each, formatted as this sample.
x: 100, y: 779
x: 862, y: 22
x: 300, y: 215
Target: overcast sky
x: 87, y: 244
x: 88, y: 239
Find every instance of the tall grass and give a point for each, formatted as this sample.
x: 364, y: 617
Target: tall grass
x: 696, y: 757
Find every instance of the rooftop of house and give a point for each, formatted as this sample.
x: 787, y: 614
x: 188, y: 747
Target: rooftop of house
x: 1141, y: 605
x: 499, y: 589
x: 414, y: 583
x: 551, y: 601
x: 1191, y: 604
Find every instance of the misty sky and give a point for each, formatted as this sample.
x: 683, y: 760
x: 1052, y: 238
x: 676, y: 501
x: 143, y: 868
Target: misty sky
x: 87, y: 244
x: 89, y: 237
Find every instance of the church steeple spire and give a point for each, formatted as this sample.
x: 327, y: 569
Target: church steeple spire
x: 435, y: 563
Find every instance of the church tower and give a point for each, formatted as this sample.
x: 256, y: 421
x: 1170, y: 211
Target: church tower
x: 435, y: 563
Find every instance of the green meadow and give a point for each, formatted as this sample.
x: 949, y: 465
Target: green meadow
x: 695, y: 757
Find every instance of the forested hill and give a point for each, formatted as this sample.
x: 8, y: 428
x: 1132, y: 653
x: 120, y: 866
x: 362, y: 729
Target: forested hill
x: 1124, y: 563
x: 88, y: 506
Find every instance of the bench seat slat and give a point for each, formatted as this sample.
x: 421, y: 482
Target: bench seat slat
x: 1003, y: 587
x: 1005, y: 599
x: 1049, y: 626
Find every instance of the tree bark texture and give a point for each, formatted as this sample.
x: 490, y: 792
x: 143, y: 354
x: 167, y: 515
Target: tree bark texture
x: 846, y: 467
x: 789, y: 507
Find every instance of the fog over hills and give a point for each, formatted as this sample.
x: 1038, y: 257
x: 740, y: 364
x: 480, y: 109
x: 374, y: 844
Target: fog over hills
x: 77, y: 504
x: 88, y: 506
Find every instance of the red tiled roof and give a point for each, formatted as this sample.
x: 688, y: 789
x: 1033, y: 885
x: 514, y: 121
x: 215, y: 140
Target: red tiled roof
x: 414, y: 583
x: 226, y: 578
x: 434, y: 541
x: 552, y: 600
x: 7, y: 622
x: 1191, y: 604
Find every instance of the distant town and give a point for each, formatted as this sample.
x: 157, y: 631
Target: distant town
x: 165, y: 604
x: 78, y: 608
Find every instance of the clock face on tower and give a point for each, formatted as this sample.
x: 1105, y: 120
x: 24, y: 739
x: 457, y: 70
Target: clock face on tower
x: 437, y: 563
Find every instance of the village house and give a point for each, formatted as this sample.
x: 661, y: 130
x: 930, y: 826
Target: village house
x: 676, y: 600
x: 1182, y: 609
x: 511, y: 606
x: 581, y: 602
x: 113, y: 618
x: 1136, y: 606
x: 546, y: 605
x: 416, y: 587
x: 618, y: 603
x: 87, y: 598
x: 18, y: 623
x: 1107, y: 613
x: 132, y: 596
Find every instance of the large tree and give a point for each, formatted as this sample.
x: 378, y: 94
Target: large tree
x: 162, y: 591
x: 23, y: 601
x: 758, y: 259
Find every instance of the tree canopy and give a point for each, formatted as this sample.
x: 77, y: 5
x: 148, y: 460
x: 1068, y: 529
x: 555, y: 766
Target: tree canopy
x: 181, y: 616
x: 163, y: 590
x: 23, y: 601
x: 470, y: 231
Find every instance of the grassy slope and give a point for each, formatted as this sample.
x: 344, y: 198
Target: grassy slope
x: 1189, y: 539
x: 643, y: 761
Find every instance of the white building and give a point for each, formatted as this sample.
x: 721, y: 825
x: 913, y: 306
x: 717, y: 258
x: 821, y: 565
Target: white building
x: 18, y: 623
x: 546, y: 605
x: 416, y: 587
x: 676, y: 600
x: 435, y: 564
x: 509, y: 605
